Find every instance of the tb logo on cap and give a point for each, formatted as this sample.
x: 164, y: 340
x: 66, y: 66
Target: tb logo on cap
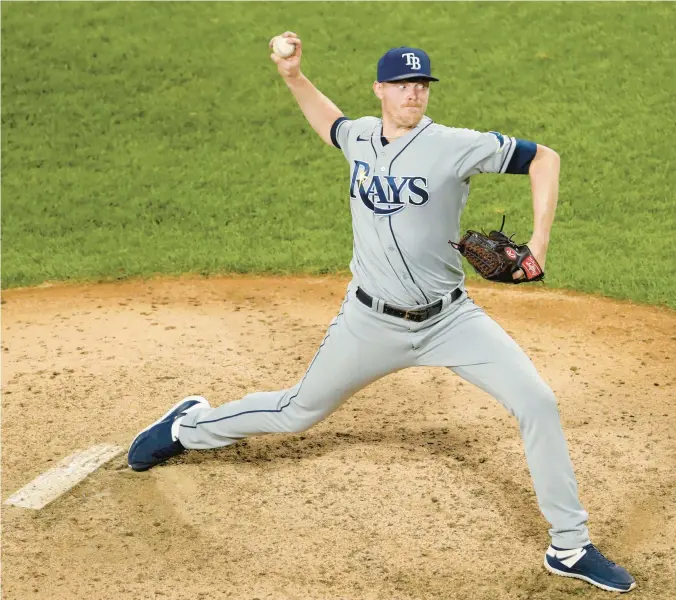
x: 412, y: 60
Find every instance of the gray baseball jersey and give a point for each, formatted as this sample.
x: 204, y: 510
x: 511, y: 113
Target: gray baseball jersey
x: 406, y: 199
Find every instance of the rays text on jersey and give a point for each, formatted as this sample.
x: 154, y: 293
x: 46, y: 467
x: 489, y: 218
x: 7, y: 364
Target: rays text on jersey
x: 386, y: 194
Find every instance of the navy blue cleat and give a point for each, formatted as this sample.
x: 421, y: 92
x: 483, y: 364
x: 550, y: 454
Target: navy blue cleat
x: 588, y: 564
x: 155, y: 443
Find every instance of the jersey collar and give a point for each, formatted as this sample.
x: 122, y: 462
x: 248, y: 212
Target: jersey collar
x: 398, y: 143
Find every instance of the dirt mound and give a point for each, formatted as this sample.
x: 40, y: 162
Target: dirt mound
x: 416, y: 488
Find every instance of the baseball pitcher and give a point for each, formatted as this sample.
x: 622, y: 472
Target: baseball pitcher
x: 409, y: 180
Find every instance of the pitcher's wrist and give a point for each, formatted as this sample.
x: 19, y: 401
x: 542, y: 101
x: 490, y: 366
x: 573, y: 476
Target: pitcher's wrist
x: 294, y: 80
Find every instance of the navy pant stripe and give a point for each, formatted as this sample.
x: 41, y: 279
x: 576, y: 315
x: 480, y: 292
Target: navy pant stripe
x: 281, y: 408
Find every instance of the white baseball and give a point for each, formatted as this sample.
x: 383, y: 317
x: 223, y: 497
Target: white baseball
x: 283, y: 48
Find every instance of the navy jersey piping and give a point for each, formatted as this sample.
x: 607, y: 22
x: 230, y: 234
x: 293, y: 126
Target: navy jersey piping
x: 389, y: 218
x: 406, y: 146
x: 389, y: 172
x: 281, y: 408
x: 504, y: 158
x: 387, y: 258
x: 375, y: 154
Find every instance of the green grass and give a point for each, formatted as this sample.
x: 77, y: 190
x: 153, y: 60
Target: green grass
x: 143, y: 138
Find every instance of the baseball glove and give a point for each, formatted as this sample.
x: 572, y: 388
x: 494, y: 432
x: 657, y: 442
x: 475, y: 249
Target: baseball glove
x: 496, y: 257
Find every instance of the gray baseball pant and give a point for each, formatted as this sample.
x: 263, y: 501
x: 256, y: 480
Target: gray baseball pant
x: 363, y: 345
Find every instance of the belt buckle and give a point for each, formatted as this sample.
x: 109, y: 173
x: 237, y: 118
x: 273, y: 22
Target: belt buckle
x: 411, y: 315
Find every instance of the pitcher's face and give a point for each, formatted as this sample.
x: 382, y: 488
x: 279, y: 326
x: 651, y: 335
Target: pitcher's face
x: 404, y: 102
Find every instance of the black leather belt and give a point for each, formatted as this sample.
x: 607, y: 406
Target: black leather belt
x: 417, y: 315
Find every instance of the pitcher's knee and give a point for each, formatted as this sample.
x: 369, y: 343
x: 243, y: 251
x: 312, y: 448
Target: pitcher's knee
x: 305, y: 411
x: 301, y: 422
x: 539, y: 402
x: 299, y: 418
x: 543, y: 405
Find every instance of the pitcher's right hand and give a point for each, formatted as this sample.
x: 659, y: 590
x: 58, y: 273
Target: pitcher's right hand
x: 289, y: 68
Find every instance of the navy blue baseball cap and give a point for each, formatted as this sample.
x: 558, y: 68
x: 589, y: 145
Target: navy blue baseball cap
x: 404, y: 63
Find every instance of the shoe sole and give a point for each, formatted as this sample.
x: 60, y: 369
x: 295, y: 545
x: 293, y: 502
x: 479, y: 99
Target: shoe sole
x: 200, y: 400
x: 607, y: 588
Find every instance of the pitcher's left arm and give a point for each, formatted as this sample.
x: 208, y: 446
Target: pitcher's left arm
x: 493, y: 152
x: 543, y: 171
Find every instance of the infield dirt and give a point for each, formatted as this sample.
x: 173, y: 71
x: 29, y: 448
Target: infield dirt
x: 415, y: 488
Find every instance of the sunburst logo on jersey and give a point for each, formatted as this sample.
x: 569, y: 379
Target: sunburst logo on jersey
x: 362, y: 176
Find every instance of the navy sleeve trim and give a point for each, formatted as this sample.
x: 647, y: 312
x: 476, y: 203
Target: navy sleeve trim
x: 524, y: 153
x: 510, y: 142
x: 334, y: 131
